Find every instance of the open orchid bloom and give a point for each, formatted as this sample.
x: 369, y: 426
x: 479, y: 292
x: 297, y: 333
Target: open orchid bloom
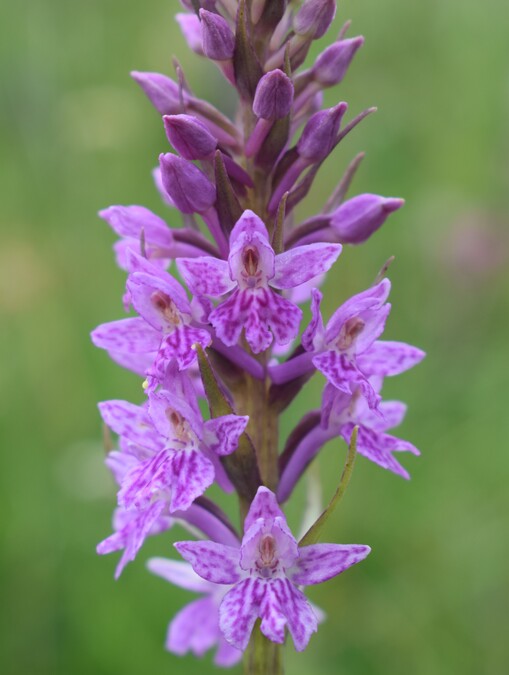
x: 265, y: 573
x: 253, y: 274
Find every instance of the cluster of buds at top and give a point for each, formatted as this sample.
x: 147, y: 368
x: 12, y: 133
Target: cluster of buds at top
x: 232, y: 338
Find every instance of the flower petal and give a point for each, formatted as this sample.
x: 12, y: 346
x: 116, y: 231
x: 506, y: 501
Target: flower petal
x: 378, y: 448
x: 264, y: 505
x: 274, y: 312
x: 161, y: 301
x: 206, y: 275
x: 226, y: 655
x: 132, y: 530
x: 132, y: 335
x: 298, y: 265
x: 194, y: 629
x: 314, y: 335
x: 131, y: 421
x: 321, y: 562
x: 229, y: 317
x: 222, y: 434
x: 370, y: 300
x: 178, y: 573
x: 301, y: 620
x: 179, y: 344
x: 343, y: 373
x: 213, y: 562
x: 239, y: 611
x: 189, y: 474
x: 389, y: 358
x: 273, y: 619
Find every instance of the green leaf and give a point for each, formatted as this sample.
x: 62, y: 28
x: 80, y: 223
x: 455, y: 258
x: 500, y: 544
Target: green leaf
x: 240, y: 466
x: 313, y: 534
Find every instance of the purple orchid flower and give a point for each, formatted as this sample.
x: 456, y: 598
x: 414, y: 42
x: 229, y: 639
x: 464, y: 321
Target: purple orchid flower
x: 132, y: 526
x: 253, y: 272
x: 339, y: 415
x: 165, y: 325
x: 176, y: 450
x: 196, y: 627
x: 265, y: 574
x: 346, y: 351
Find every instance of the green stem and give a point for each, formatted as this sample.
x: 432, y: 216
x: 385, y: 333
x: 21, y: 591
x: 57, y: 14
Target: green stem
x: 263, y: 657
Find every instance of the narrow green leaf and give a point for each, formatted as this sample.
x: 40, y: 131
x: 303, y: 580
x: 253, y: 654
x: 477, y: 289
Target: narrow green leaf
x: 241, y: 466
x: 247, y: 68
x: 227, y: 205
x: 313, y: 534
x: 277, y: 237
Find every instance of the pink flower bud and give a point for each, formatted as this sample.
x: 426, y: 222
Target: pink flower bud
x: 274, y: 96
x: 162, y: 91
x: 190, y: 25
x: 320, y: 132
x: 356, y: 219
x: 217, y: 38
x: 190, y: 137
x: 314, y: 18
x: 189, y: 188
x: 331, y: 65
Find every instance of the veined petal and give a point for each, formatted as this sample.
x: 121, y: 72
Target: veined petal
x: 386, y: 358
x: 131, y: 421
x: 221, y: 434
x: 127, y: 335
x: 264, y: 505
x: 179, y: 344
x: 206, y: 275
x: 239, y: 611
x: 370, y: 300
x: 378, y: 448
x: 195, y: 628
x: 229, y: 317
x: 301, y: 620
x: 133, y: 532
x: 130, y: 221
x: 343, y: 373
x: 189, y: 473
x: 314, y: 336
x: 178, y: 573
x: 213, y: 562
x: 163, y: 402
x: 248, y: 224
x: 161, y: 302
x: 271, y: 613
x: 298, y: 265
x: 271, y: 311
x: 321, y: 562
x: 144, y: 483
x: 390, y: 414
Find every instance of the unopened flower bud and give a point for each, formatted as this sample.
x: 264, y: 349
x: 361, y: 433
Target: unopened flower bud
x: 274, y: 96
x: 190, y: 137
x: 314, y: 18
x: 189, y: 188
x: 217, y: 38
x: 356, y: 219
x: 331, y: 65
x: 320, y: 132
x: 162, y: 91
x: 190, y: 25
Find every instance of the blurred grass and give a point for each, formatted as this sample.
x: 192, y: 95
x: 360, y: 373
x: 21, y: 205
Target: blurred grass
x: 76, y: 136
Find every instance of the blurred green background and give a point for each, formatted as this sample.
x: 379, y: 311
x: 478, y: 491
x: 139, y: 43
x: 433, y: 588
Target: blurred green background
x: 76, y: 136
